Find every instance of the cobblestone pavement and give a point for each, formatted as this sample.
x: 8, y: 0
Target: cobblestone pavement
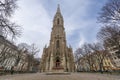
x: 72, y: 76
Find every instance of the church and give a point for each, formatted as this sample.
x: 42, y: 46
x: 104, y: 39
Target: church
x: 57, y: 57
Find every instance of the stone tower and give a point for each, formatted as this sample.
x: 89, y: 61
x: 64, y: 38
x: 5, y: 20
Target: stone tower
x: 57, y: 57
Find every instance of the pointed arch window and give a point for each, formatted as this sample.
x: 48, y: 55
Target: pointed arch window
x: 57, y: 44
x: 58, y: 21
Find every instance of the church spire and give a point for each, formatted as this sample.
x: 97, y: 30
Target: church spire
x: 58, y: 18
x: 58, y: 9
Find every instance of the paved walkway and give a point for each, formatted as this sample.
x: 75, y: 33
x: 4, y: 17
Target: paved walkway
x: 73, y: 76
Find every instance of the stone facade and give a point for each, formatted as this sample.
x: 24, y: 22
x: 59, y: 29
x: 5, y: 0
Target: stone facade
x: 8, y: 53
x: 57, y: 57
x: 16, y: 57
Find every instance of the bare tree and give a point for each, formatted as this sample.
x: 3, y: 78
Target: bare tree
x: 100, y: 54
x: 110, y: 13
x: 20, y: 54
x: 78, y: 55
x: 9, y: 28
x: 84, y: 55
x: 33, y: 51
x: 88, y: 55
x: 110, y: 35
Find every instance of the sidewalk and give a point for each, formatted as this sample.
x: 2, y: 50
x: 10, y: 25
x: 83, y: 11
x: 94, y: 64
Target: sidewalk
x: 72, y: 76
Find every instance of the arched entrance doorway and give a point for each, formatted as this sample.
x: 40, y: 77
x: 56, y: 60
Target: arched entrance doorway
x: 57, y: 63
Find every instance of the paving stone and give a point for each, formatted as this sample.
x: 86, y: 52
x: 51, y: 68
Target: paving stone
x: 72, y: 76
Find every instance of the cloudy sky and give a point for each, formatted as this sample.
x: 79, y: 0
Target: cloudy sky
x: 80, y: 18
